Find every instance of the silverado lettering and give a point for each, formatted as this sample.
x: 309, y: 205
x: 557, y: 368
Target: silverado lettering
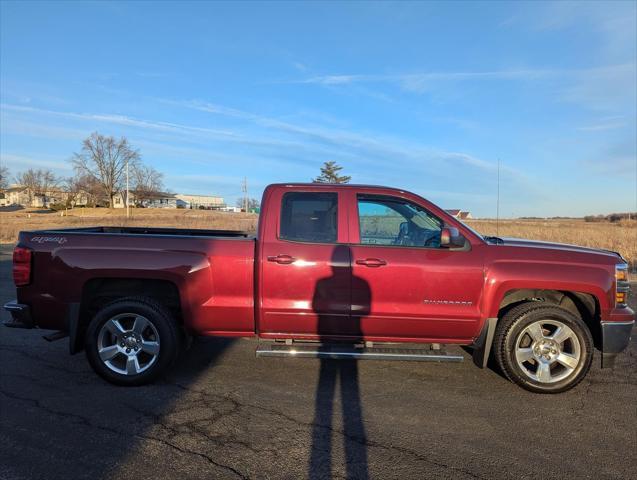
x: 58, y: 240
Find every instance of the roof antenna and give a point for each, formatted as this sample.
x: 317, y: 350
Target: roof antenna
x: 497, y: 207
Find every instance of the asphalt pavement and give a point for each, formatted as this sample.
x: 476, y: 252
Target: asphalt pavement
x: 222, y: 413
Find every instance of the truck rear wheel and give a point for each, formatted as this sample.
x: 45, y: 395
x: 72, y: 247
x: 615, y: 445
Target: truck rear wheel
x: 543, y: 348
x: 132, y: 341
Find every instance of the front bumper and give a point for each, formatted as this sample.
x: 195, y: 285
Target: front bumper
x: 615, y: 338
x: 20, y: 315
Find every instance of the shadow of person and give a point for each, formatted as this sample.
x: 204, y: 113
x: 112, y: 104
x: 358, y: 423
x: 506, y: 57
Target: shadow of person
x: 345, y: 371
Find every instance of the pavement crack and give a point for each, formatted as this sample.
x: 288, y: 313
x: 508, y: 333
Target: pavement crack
x: 350, y: 437
x: 86, y: 422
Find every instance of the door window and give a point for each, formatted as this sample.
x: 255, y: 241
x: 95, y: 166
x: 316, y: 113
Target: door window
x: 309, y: 217
x: 395, y: 221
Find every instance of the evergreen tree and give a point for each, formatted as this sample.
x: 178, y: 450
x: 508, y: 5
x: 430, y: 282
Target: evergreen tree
x: 330, y: 174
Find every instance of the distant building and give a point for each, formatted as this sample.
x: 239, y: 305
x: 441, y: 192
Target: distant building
x: 18, y: 195
x: 460, y: 214
x: 119, y: 199
x: 201, y: 201
x: 164, y: 200
x: 21, y: 195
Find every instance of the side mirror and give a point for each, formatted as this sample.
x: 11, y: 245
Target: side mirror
x: 450, y: 237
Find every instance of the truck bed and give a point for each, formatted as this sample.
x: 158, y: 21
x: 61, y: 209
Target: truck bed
x: 210, y: 271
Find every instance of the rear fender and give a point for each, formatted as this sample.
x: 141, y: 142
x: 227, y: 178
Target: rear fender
x: 189, y: 271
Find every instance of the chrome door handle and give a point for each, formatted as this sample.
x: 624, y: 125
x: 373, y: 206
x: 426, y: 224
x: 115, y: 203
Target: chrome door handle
x: 371, y: 262
x: 282, y: 259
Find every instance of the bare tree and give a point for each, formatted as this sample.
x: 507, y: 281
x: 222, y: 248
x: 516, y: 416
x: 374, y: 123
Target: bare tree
x: 104, y: 159
x: 75, y: 189
x: 147, y: 182
x: 4, y: 178
x: 28, y: 180
x: 47, y: 181
x: 37, y: 182
x: 89, y: 186
x: 253, y: 203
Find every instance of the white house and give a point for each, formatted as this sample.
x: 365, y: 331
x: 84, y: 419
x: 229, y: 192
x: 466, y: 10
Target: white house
x: 17, y: 195
x: 21, y: 195
x: 119, y: 200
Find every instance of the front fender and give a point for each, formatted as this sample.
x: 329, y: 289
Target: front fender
x: 505, y: 276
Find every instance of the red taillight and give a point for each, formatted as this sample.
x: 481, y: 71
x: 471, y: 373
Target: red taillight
x: 21, y: 266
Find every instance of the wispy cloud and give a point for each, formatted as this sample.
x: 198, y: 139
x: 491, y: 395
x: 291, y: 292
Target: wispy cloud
x: 119, y: 119
x: 606, y: 87
x: 417, y: 81
x: 301, y: 67
x: 609, y: 88
x: 294, y: 143
x: 602, y: 127
x: 40, y: 129
x: 380, y: 151
x: 150, y: 74
x: 371, y: 148
x: 17, y: 163
x: 378, y: 145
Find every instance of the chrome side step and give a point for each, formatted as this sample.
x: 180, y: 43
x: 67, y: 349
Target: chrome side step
x: 347, y: 352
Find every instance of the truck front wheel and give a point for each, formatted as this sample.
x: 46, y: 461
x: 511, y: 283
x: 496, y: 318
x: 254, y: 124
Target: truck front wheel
x: 543, y: 348
x: 132, y: 341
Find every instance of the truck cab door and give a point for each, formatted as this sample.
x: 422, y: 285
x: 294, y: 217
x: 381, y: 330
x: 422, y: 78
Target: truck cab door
x: 420, y: 289
x: 305, y: 266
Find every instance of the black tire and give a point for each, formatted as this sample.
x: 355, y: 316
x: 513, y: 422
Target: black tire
x: 163, y: 330
x: 513, y: 340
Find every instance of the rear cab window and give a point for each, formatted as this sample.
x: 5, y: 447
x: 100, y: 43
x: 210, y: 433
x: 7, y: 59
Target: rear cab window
x: 309, y: 217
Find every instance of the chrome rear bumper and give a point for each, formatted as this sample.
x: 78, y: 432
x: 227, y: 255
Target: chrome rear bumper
x: 20, y: 315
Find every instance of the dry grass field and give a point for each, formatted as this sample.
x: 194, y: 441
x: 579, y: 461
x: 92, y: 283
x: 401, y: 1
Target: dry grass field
x: 620, y: 236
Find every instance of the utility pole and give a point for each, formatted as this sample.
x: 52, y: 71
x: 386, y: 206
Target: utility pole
x: 497, y: 207
x: 244, y: 189
x: 126, y: 200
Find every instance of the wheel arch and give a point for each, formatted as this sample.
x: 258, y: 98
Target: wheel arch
x: 99, y: 291
x: 583, y: 304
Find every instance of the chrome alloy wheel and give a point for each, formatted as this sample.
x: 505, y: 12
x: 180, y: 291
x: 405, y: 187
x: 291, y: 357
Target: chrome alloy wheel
x: 547, y: 351
x: 128, y: 344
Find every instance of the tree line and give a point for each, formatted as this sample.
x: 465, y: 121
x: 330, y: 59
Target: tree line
x: 99, y: 174
x: 611, y: 217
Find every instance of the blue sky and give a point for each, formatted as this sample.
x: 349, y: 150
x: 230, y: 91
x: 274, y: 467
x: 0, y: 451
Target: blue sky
x: 423, y: 96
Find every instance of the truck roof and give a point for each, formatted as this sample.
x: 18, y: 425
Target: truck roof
x: 335, y: 185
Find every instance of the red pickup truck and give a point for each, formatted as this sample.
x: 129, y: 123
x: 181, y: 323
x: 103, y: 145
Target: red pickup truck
x: 335, y: 271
